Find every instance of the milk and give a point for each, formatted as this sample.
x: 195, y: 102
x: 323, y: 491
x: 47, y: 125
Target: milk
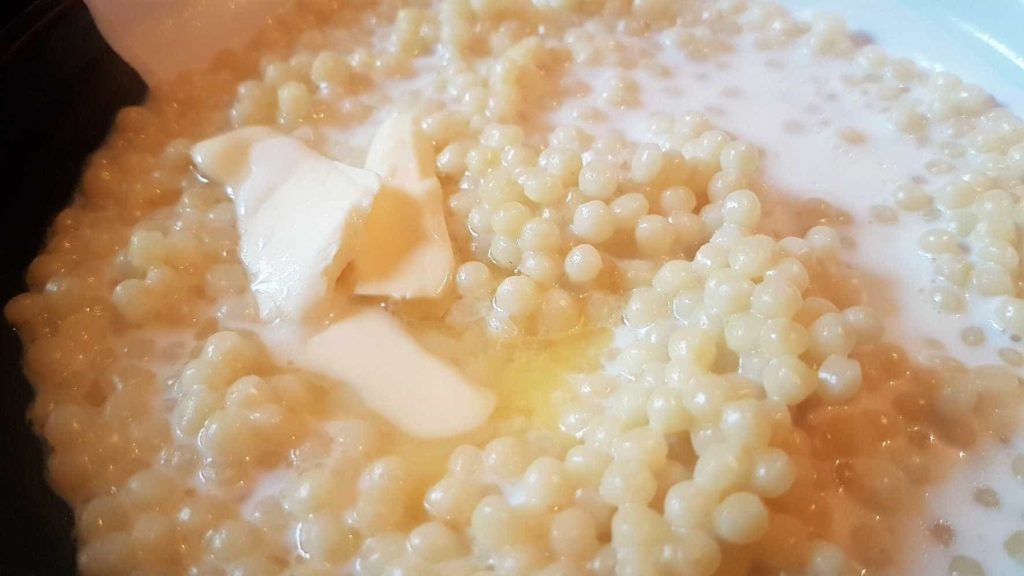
x: 765, y: 104
x: 749, y: 95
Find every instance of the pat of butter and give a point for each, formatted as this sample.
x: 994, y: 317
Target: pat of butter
x: 225, y: 157
x: 405, y: 251
x: 398, y: 379
x: 300, y: 214
x: 252, y: 162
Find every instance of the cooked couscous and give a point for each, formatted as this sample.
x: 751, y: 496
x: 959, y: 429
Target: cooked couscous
x: 630, y: 342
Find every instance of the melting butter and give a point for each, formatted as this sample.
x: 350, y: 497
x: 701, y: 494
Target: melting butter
x: 528, y: 374
x: 405, y: 251
x: 300, y: 215
x: 410, y: 387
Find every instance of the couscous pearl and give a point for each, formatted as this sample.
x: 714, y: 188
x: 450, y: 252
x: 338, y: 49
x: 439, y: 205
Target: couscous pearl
x: 646, y: 164
x: 667, y: 412
x: 692, y: 346
x: 563, y: 163
x: 788, y: 379
x: 539, y: 235
x: 593, y: 222
x: 689, y: 229
x: 435, y: 542
x: 542, y: 186
x: 510, y: 218
x: 776, y: 298
x: 294, y: 103
x: 723, y: 183
x: 689, y: 505
x: 739, y: 157
x: 772, y: 472
x: 517, y: 296
x: 582, y: 264
x: 505, y: 252
x: 792, y: 270
x: 674, y: 276
x: 642, y: 445
x: 654, y: 235
x: 628, y: 209
x: 693, y: 552
x: 826, y: 559
x: 743, y: 332
x: 865, y: 323
x: 830, y: 335
x: 741, y: 518
x: 644, y: 307
x: 745, y: 422
x: 546, y: 484
x: 677, y: 199
x: 722, y: 467
x: 782, y: 336
x: 840, y: 378
x: 501, y: 135
x: 753, y: 255
x: 598, y: 179
x: 573, y: 534
x: 991, y: 280
x: 494, y: 523
x: 742, y: 208
x: 624, y: 483
x: 727, y: 292
x: 474, y: 279
x: 541, y: 267
x: 1009, y: 316
x: 330, y: 71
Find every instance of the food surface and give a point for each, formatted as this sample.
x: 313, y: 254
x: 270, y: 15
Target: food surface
x: 476, y: 287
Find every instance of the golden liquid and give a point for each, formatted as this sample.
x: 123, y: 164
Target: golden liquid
x: 530, y: 378
x: 525, y: 373
x: 529, y: 374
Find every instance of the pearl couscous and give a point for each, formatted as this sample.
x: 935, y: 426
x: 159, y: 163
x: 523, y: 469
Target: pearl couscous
x: 676, y: 354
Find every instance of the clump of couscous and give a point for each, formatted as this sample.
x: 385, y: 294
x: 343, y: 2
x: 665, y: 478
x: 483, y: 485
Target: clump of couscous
x: 682, y: 386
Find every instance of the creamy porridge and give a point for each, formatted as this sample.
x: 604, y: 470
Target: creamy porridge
x: 562, y: 287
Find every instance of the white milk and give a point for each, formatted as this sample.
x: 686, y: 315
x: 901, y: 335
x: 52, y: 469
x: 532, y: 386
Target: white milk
x: 979, y: 42
x: 760, y: 103
x: 979, y: 532
x: 794, y: 113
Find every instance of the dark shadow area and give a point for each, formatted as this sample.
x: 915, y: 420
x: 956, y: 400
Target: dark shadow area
x: 61, y: 88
